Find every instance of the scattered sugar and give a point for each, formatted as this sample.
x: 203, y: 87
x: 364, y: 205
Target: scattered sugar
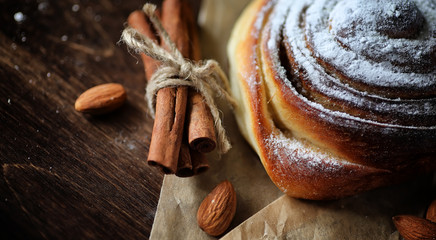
x: 131, y: 146
x: 43, y: 6
x: 19, y: 17
x: 75, y: 8
x: 97, y: 18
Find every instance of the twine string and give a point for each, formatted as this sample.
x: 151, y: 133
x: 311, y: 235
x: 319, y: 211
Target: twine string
x: 206, y: 77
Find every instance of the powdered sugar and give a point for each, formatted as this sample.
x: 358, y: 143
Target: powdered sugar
x: 258, y: 24
x: 293, y: 152
x: 290, y: 13
x: 377, y: 60
x: 275, y: 27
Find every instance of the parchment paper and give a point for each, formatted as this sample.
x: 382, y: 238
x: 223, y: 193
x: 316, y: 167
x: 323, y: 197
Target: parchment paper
x: 365, y: 216
x: 263, y: 212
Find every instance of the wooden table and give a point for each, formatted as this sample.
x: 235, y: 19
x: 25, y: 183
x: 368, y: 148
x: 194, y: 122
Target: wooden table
x: 65, y: 175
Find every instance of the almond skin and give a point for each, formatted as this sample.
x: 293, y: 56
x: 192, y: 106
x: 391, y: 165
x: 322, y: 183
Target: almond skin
x: 101, y: 99
x: 413, y: 228
x: 431, y: 212
x: 217, y: 210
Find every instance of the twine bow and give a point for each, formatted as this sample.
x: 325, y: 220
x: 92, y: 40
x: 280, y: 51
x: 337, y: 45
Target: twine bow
x: 175, y: 70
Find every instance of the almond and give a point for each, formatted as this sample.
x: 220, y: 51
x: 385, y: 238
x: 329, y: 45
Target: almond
x: 101, y: 99
x: 412, y: 227
x: 431, y: 212
x: 217, y: 210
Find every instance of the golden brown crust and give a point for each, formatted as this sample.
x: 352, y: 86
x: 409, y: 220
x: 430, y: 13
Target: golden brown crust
x: 309, y: 149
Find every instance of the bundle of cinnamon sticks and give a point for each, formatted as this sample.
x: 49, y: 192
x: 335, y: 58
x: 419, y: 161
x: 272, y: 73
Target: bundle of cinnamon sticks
x: 183, y: 129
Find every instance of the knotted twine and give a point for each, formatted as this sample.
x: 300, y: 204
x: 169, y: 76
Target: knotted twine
x: 175, y: 70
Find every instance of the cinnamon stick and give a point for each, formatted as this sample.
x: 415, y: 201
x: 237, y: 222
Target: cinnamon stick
x: 184, y: 165
x: 173, y: 21
x: 170, y: 109
x: 200, y: 163
x: 138, y: 21
x: 201, y: 130
x: 167, y: 132
x: 177, y: 28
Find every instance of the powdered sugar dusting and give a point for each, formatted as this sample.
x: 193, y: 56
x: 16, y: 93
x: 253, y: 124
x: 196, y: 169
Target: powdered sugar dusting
x: 258, y: 24
x: 291, y: 151
x: 253, y: 83
x: 294, y: 159
x: 371, y: 57
x: 275, y: 27
x: 289, y: 14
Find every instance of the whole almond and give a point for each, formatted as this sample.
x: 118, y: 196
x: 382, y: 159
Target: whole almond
x: 413, y: 228
x: 101, y: 99
x: 217, y: 210
x: 431, y: 212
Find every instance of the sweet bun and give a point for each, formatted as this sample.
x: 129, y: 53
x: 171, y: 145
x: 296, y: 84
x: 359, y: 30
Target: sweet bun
x: 337, y: 97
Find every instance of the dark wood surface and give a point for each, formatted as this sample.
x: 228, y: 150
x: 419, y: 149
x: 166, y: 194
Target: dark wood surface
x: 65, y: 175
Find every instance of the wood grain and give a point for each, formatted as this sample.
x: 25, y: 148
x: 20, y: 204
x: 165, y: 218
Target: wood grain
x: 66, y: 175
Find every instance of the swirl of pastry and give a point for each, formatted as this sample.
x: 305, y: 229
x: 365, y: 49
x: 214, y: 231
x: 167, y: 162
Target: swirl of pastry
x: 337, y: 96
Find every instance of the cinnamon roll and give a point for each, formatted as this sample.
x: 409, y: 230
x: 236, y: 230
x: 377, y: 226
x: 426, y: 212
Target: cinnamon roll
x: 337, y: 97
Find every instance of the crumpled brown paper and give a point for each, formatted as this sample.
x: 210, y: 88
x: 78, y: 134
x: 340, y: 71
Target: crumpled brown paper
x: 263, y: 212
x: 365, y: 216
